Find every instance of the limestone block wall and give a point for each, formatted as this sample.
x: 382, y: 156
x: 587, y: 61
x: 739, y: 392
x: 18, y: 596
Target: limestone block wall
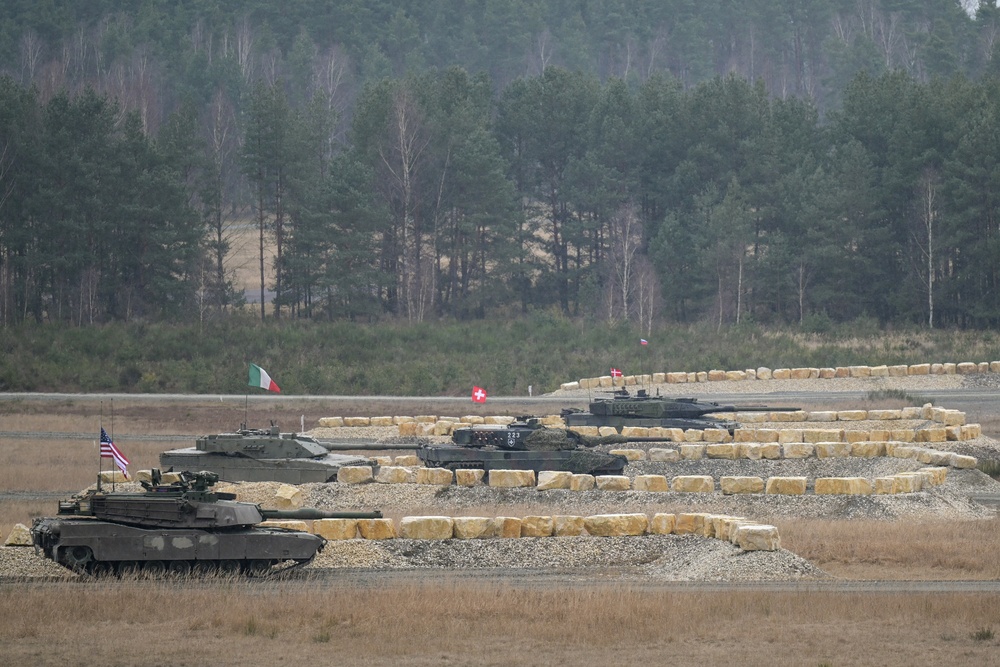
x: 765, y: 373
x: 746, y: 534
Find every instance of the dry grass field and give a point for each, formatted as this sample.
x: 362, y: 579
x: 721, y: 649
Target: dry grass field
x: 470, y: 622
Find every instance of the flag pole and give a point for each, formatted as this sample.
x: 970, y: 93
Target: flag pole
x: 100, y: 459
x: 114, y: 477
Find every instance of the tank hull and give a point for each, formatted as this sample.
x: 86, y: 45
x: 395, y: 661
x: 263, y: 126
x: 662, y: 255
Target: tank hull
x: 618, y: 423
x: 92, y: 545
x: 245, y: 469
x: 577, y: 461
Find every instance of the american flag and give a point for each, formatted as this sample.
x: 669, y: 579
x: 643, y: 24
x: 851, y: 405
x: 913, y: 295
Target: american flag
x: 109, y: 451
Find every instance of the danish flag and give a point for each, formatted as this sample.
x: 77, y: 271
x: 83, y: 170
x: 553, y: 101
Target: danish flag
x: 615, y: 373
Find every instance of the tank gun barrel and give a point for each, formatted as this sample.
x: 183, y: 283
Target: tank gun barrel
x: 309, y: 513
x: 364, y: 445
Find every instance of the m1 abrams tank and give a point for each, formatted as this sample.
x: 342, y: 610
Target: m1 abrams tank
x: 623, y: 409
x: 261, y: 455
x: 176, y: 528
x: 526, y: 444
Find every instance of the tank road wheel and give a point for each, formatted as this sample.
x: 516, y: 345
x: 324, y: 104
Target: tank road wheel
x: 78, y: 558
x: 258, y: 568
x: 102, y: 568
x: 154, y: 569
x: 229, y: 568
x: 179, y: 568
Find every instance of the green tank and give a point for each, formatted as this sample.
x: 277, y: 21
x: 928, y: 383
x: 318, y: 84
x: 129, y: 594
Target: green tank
x: 526, y: 444
x: 261, y: 455
x: 176, y: 528
x: 622, y: 409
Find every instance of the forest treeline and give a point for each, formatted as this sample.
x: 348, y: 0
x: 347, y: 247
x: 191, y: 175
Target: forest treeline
x: 809, y: 163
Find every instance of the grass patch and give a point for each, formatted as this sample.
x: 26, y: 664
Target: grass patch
x: 892, y: 395
x: 983, y: 634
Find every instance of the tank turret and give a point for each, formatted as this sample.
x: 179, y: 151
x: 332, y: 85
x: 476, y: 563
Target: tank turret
x: 175, y: 527
x: 623, y: 409
x: 260, y: 455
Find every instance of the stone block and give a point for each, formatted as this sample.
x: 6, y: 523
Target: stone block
x: 553, y: 479
x: 883, y: 485
x: 971, y: 431
x: 407, y: 460
x: 900, y: 370
x: 606, y: 381
x: 950, y: 368
x: 586, y: 430
x: 880, y: 371
x: 692, y: 452
x: 499, y: 420
x: 442, y: 427
x: 630, y: 454
x: 331, y: 422
x: 693, y: 484
x: 750, y: 417
x: 855, y: 436
x: 716, y: 375
x: 932, y: 434
x: 822, y: 435
x: 289, y: 497
x: 906, y: 483
x: 397, y: 475
x: 537, y: 526
x: 355, y: 474
x: 357, y: 421
x: 655, y: 483
x: 764, y: 373
x: 616, y: 525
x: 426, y: 528
x: 963, y: 462
x: 662, y: 454
x: 770, y: 451
x: 694, y: 435
x: 756, y: 538
x: 690, y: 523
x: 842, y: 372
x: 750, y: 450
x: 827, y: 373
x: 435, y: 476
x: 336, y: 529
x: 736, y: 376
x: 659, y: 378
x: 952, y: 418
x: 828, y: 450
x: 676, y: 378
x: 885, y: 415
x: 868, y: 450
x: 788, y: 416
x: 569, y: 386
x: 467, y: 477
x: 781, y: 374
x: 381, y: 460
x: 938, y: 474
x: 724, y: 525
x: 716, y: 435
x: 721, y: 450
x: 112, y: 477
x: 408, y: 429
x: 606, y: 431
x: 582, y: 482
x: 613, y: 482
x: 19, y: 536
x: 472, y: 527
x: 426, y: 428
x: 861, y: 371
x: 854, y: 486
x: 567, y: 526
x: 380, y: 421
x: 903, y: 435
x: 919, y: 369
x: 852, y: 415
x: 798, y: 450
x: 473, y: 419
x: 376, y: 529
x: 509, y: 479
x: 789, y: 435
x: 953, y: 433
x: 507, y: 527
x: 287, y: 524
x: 822, y: 416
x: 786, y: 486
x: 731, y: 485
x: 995, y: 367
x: 662, y: 524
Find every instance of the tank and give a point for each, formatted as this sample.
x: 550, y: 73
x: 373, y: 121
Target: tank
x: 261, y: 455
x: 623, y: 409
x: 526, y: 444
x: 176, y: 528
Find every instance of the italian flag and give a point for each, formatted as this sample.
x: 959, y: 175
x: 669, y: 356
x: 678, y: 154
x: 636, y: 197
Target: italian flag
x: 260, y: 378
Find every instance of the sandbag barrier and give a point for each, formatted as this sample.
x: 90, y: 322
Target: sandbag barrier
x: 745, y: 534
x: 765, y: 373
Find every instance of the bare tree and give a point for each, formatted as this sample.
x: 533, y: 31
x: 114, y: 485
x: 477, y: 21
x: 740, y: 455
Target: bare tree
x: 927, y: 191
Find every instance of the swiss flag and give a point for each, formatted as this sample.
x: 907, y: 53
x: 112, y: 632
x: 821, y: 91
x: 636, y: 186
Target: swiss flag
x: 478, y: 395
x: 615, y: 373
